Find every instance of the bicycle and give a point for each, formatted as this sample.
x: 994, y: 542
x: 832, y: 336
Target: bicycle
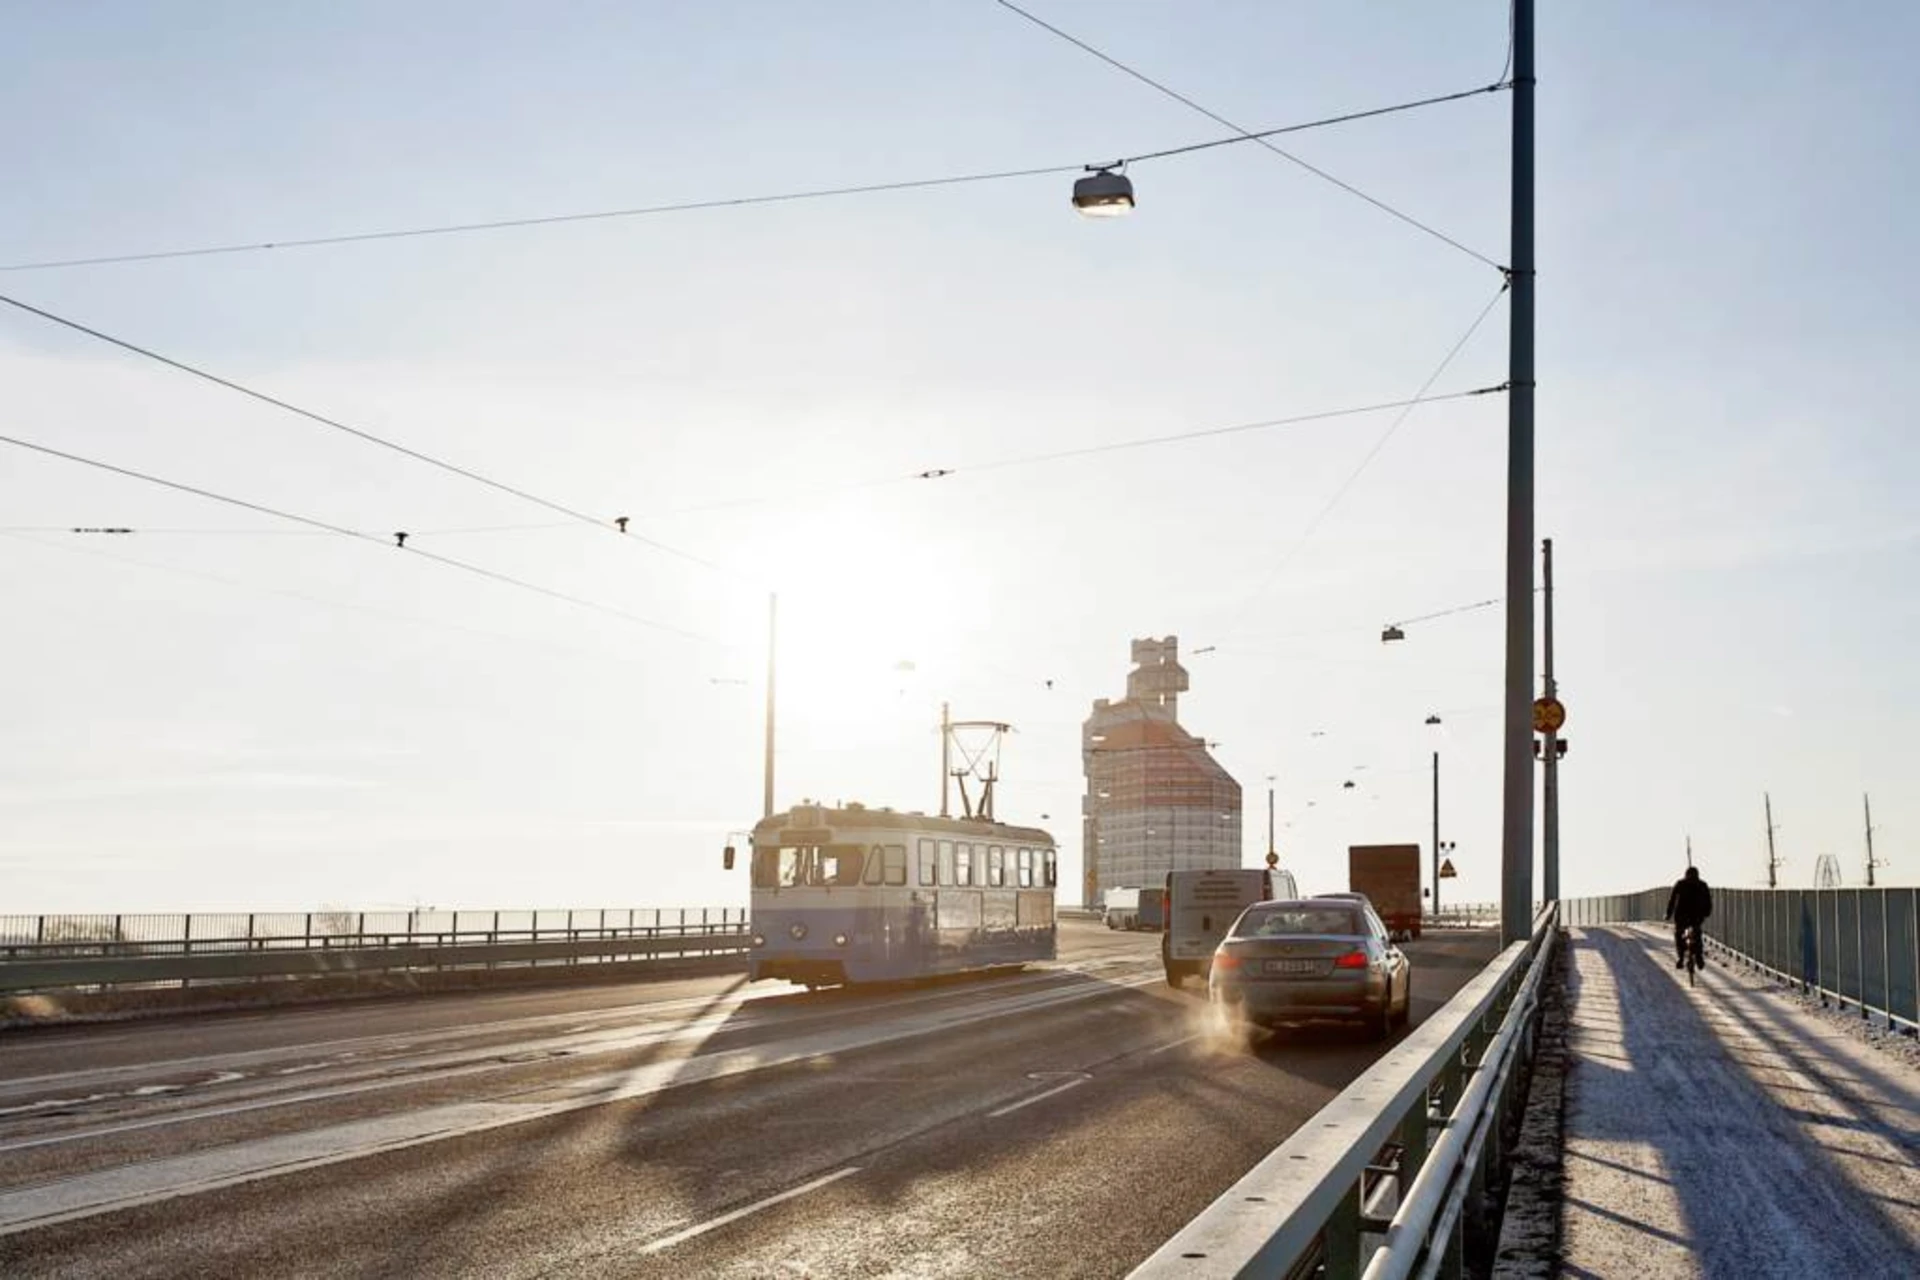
x: 1695, y: 949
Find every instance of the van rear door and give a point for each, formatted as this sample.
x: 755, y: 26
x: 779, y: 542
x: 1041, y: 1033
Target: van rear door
x: 1203, y: 906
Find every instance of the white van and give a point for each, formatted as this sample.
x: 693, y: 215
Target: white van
x: 1202, y: 906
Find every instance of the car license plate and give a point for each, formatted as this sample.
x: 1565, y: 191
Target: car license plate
x: 1293, y: 966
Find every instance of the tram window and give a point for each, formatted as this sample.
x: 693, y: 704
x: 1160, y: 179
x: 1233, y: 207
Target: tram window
x: 766, y: 869
x: 929, y: 865
x: 895, y: 864
x: 876, y: 859
x: 963, y: 863
x: 996, y: 866
x: 836, y: 864
x: 947, y: 870
x: 1052, y: 861
x: 1026, y: 868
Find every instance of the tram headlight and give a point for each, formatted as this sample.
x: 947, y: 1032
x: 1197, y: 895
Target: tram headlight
x: 759, y: 940
x: 839, y: 939
x: 796, y: 931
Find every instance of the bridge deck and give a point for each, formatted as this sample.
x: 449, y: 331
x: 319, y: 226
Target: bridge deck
x: 1723, y: 1131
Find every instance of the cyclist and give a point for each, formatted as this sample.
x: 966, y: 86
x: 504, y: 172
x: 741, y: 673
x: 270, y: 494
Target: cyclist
x: 1688, y: 906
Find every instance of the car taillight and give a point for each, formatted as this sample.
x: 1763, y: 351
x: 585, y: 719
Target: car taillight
x: 1352, y: 960
x: 1226, y: 960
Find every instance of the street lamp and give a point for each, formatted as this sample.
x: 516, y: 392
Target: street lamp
x: 1103, y: 193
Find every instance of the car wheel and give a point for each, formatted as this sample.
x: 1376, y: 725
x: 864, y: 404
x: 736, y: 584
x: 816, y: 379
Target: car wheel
x: 1380, y: 1025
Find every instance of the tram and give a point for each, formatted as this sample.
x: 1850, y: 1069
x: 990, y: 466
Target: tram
x: 851, y: 894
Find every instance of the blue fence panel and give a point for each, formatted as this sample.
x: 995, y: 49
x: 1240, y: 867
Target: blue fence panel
x: 1873, y: 942
x: 1903, y: 953
x: 1846, y: 935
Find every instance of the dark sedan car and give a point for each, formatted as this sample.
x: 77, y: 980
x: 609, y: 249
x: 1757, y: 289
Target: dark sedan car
x: 1309, y: 959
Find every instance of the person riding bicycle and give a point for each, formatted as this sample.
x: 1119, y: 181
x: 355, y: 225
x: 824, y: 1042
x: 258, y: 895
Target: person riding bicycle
x: 1688, y: 906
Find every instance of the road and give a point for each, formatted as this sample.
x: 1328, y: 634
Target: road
x: 1058, y: 1122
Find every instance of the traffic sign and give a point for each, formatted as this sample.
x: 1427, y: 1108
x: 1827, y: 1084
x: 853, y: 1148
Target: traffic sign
x: 1548, y: 715
x: 1446, y: 869
x: 1273, y: 859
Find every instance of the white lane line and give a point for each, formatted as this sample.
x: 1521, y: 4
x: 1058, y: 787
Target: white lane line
x: 1038, y: 1097
x: 153, y: 1181
x: 1174, y: 1044
x: 681, y: 1237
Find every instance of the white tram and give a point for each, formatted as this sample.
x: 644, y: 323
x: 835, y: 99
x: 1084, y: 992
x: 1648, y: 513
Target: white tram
x: 869, y: 895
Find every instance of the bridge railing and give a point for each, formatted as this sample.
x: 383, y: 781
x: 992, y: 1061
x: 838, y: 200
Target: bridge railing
x: 40, y: 953
x: 1382, y: 1182
x: 1857, y: 948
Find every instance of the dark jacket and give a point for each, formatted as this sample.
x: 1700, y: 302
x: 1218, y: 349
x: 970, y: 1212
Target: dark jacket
x: 1690, y: 902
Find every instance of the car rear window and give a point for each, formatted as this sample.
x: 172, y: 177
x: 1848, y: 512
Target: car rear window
x: 1280, y: 922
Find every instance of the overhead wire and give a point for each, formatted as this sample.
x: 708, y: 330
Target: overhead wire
x: 786, y: 197
x: 1386, y: 437
x: 615, y: 525
x: 1263, y: 137
x: 356, y: 534
x: 239, y: 584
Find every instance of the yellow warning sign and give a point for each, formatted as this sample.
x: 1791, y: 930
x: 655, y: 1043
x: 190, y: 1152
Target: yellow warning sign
x: 1446, y: 869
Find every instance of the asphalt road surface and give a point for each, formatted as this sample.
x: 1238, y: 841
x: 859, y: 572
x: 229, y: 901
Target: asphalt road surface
x: 1061, y: 1121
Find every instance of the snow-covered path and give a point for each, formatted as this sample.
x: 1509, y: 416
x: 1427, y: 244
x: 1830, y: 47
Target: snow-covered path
x: 1721, y: 1131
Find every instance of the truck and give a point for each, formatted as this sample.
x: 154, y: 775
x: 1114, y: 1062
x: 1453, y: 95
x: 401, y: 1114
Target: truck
x: 1135, y: 909
x: 1389, y: 875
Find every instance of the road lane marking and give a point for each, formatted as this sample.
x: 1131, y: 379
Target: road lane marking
x: 153, y: 1181
x: 1174, y: 1044
x: 1038, y: 1097
x: 794, y: 1193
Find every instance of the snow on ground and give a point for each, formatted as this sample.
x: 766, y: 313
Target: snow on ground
x: 1722, y: 1131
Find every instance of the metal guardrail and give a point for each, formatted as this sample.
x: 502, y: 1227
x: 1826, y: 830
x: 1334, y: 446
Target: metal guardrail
x: 1420, y: 1130
x: 99, y: 951
x: 1858, y: 947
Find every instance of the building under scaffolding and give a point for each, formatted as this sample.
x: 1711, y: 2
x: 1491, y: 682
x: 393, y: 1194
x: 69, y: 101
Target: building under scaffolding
x: 1156, y: 800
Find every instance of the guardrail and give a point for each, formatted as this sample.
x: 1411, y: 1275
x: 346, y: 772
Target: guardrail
x: 1419, y: 1135
x: 1462, y: 915
x: 1858, y: 947
x: 43, y: 953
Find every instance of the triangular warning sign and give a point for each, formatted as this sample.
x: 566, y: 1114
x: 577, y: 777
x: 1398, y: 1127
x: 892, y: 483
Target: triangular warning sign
x: 1446, y: 869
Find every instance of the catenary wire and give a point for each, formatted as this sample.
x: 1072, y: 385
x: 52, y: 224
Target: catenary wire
x: 787, y: 197
x: 368, y: 436
x: 356, y: 534
x: 240, y: 584
x: 932, y: 473
x: 1262, y: 138
x: 1353, y: 477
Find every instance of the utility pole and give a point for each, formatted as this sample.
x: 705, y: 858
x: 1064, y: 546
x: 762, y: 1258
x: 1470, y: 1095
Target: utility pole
x: 1272, y: 852
x: 1550, y: 748
x: 773, y: 635
x: 1866, y: 803
x: 1436, y: 832
x: 1516, y: 842
x: 1689, y: 848
x: 946, y: 757
x: 1773, y: 862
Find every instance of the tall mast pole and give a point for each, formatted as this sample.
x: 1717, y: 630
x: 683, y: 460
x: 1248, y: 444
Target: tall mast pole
x: 1516, y: 843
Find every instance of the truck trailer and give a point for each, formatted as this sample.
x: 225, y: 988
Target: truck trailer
x: 1389, y: 874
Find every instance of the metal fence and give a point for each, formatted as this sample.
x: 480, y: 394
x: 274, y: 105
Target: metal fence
x: 94, y: 951
x: 1383, y: 1179
x: 1854, y: 947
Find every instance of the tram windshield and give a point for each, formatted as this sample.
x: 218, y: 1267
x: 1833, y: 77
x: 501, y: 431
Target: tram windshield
x: 807, y: 865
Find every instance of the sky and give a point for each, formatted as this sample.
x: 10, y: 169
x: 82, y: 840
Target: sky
x: 231, y: 711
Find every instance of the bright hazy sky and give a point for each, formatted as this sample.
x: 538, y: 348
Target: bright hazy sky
x: 263, y: 717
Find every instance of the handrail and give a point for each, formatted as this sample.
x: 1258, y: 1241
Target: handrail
x: 49, y: 972
x: 1309, y: 1197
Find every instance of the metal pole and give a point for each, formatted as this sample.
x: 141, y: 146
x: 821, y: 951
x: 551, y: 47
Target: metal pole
x: 1436, y: 833
x: 773, y: 633
x: 1271, y: 850
x: 1516, y: 842
x: 1773, y: 863
x: 946, y: 757
x: 1550, y: 782
x: 1866, y: 803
